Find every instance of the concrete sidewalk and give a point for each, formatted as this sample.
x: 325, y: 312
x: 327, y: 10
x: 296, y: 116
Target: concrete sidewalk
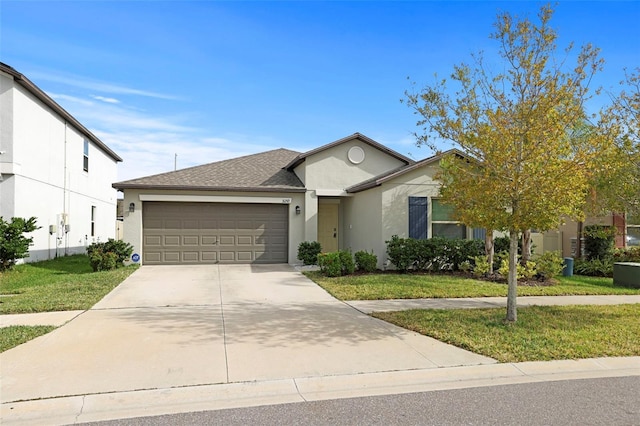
x: 368, y: 306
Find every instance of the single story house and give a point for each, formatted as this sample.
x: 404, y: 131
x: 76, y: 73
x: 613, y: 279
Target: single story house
x: 353, y: 193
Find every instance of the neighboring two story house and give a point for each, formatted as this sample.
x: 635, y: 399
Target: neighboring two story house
x: 53, y: 168
x: 353, y: 194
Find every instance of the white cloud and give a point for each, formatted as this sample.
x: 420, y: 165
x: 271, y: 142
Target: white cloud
x: 107, y: 100
x: 97, y: 86
x: 60, y: 98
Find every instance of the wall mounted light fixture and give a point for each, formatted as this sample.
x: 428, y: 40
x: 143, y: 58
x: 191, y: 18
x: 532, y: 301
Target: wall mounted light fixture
x: 132, y: 207
x: 298, y: 210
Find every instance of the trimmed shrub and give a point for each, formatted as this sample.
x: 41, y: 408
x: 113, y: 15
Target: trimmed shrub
x: 527, y: 271
x: 599, y: 241
x: 13, y: 244
x: 549, y: 264
x: 594, y: 268
x: 482, y: 267
x: 346, y: 262
x: 400, y: 253
x: 122, y: 250
x: 629, y: 254
x: 366, y: 262
x: 102, y: 261
x: 308, y: 252
x: 336, y: 263
x: 330, y: 264
x: 433, y: 254
x: 108, y: 255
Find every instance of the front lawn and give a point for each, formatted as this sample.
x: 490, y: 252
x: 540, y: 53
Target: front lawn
x: 18, y: 334
x: 542, y: 333
x: 62, y: 284
x: 415, y: 286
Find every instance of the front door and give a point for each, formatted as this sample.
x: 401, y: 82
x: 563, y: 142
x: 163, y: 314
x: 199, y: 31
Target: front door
x: 328, y: 227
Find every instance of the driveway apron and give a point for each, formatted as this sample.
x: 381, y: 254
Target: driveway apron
x: 173, y: 326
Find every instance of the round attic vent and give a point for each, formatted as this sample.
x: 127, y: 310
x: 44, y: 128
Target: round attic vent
x: 356, y: 155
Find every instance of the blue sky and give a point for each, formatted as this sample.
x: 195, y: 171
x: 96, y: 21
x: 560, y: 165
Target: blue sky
x: 211, y: 80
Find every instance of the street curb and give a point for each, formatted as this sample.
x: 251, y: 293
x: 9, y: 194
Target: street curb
x: 155, y: 402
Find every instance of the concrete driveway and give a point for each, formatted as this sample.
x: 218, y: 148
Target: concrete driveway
x: 176, y: 326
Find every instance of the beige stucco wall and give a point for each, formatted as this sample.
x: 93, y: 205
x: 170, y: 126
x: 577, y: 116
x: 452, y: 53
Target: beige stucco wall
x: 331, y: 168
x: 133, y: 221
x: 375, y: 215
x: 362, y: 229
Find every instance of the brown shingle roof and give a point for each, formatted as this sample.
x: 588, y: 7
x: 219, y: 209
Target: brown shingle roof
x: 257, y: 172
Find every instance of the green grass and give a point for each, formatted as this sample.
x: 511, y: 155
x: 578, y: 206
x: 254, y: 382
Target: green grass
x: 542, y: 333
x: 62, y: 284
x: 415, y: 286
x: 18, y: 334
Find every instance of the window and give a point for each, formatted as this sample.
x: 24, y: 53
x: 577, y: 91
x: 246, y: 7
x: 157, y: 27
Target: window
x: 85, y: 157
x: 418, y: 217
x: 442, y: 222
x: 93, y: 221
x: 633, y: 231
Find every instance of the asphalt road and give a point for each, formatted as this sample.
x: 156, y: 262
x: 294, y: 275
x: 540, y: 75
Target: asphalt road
x: 607, y: 401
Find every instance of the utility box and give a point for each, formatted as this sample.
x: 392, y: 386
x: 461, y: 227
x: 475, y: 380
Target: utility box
x: 626, y: 274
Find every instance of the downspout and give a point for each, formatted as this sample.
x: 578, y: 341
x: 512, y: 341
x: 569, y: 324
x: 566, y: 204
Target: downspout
x: 64, y: 191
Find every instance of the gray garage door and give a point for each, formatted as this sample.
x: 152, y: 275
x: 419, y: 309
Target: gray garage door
x: 178, y: 233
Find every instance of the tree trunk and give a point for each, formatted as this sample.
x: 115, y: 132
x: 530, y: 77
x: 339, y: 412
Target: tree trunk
x: 578, y: 254
x: 526, y: 247
x: 512, y: 314
x: 488, y: 248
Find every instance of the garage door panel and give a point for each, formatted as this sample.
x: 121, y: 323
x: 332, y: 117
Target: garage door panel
x: 176, y: 233
x: 172, y: 240
x: 190, y: 240
x: 190, y: 256
x: 152, y: 257
x: 244, y: 256
x: 153, y: 240
x: 245, y: 240
x: 209, y: 240
x: 227, y: 256
x: 227, y: 240
x: 209, y: 256
x: 171, y: 257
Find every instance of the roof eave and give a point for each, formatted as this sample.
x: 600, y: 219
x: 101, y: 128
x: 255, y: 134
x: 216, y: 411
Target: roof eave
x: 302, y: 157
x: 122, y: 186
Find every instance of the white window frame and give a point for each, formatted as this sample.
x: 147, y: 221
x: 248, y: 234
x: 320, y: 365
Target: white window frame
x: 432, y: 233
x: 85, y: 156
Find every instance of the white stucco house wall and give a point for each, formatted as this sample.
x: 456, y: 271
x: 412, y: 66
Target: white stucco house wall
x: 353, y: 193
x: 54, y: 169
